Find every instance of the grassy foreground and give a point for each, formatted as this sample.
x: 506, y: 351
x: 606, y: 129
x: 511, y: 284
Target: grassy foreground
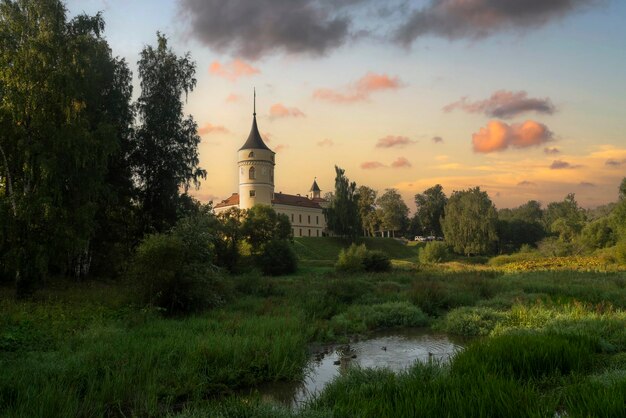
x: 551, y: 342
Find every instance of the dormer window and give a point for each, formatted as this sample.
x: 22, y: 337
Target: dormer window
x: 252, y: 193
x: 251, y: 155
x: 252, y: 173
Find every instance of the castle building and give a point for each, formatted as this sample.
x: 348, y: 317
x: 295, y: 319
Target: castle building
x: 255, y: 164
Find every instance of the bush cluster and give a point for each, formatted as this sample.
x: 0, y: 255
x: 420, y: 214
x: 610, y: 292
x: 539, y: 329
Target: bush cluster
x: 277, y: 258
x: 434, y: 252
x: 358, y: 258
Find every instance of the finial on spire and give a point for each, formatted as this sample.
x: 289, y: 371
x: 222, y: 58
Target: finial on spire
x: 254, y: 102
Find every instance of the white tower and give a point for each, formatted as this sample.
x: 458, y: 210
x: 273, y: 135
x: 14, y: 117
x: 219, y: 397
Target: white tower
x: 256, y: 169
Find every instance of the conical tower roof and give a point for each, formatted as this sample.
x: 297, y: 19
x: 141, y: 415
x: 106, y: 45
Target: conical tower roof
x: 254, y: 140
x: 315, y: 187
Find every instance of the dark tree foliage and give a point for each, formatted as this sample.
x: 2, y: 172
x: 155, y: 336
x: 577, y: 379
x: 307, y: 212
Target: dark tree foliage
x: 262, y: 224
x: 393, y: 212
x: 565, y: 219
x: 277, y: 258
x: 342, y: 215
x: 62, y: 111
x: 519, y: 226
x: 470, y: 222
x: 230, y: 235
x: 166, y: 157
x: 430, y: 209
x: 367, y: 210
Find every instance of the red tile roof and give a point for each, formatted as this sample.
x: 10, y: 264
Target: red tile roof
x: 279, y: 199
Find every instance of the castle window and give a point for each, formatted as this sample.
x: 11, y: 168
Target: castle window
x: 300, y: 231
x: 309, y: 232
x: 292, y: 217
x: 317, y: 220
x: 300, y: 218
x: 251, y: 155
x: 252, y: 173
x: 318, y: 232
x: 309, y: 220
x: 252, y: 193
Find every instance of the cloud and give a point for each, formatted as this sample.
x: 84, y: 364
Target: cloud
x: 560, y: 165
x: 325, y: 143
x: 551, y: 151
x: 279, y: 110
x: 372, y: 165
x: 360, y: 90
x: 209, y: 128
x: 504, y: 104
x: 233, y: 70
x: 586, y: 184
x: 437, y: 139
x: 267, y: 137
x: 526, y: 183
x: 615, y: 163
x: 474, y: 19
x: 401, y: 162
x: 280, y: 147
x: 233, y: 98
x: 391, y: 141
x: 252, y: 29
x: 498, y: 136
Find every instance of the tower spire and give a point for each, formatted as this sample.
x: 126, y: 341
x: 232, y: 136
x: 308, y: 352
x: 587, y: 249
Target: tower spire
x: 254, y: 103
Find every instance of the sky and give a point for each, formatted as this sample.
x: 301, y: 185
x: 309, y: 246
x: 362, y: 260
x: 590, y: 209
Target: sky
x: 524, y: 98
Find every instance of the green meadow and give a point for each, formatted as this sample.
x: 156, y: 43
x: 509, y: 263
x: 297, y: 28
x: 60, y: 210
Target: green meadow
x: 545, y: 343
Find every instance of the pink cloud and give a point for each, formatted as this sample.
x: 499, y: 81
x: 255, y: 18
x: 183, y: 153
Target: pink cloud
x: 233, y: 70
x: 498, y: 136
x: 209, y: 128
x: 279, y: 110
x: 437, y: 139
x: 326, y: 143
x: 372, y: 165
x: 280, y: 147
x: 394, y: 141
x: 526, y: 183
x: 233, y: 98
x: 401, y: 162
x: 360, y: 90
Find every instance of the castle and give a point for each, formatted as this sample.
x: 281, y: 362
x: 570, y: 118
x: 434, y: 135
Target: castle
x: 256, y: 187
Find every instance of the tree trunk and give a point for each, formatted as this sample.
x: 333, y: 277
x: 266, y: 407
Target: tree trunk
x: 9, y: 182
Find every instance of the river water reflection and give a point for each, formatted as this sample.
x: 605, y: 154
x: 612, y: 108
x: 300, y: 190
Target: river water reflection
x: 393, y: 349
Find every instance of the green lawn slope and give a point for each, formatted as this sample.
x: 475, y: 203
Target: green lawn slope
x: 327, y: 248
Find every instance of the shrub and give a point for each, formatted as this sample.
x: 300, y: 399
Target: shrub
x: 277, y: 258
x: 351, y: 258
x: 357, y: 258
x: 434, y: 296
x: 620, y: 251
x: 360, y: 318
x: 433, y: 252
x: 471, y: 322
x: 376, y: 261
x: 169, y: 279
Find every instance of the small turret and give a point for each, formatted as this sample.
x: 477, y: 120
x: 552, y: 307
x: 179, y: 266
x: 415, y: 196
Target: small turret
x: 315, y: 191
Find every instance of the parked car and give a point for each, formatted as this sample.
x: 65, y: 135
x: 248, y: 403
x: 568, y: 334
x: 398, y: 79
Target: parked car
x: 420, y: 238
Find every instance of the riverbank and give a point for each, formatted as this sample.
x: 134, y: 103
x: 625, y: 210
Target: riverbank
x: 88, y: 350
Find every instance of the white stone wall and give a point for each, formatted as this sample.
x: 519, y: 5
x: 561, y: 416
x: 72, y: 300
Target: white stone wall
x: 260, y: 189
x: 305, y: 222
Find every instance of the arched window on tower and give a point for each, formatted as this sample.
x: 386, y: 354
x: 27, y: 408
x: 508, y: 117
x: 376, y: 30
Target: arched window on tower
x: 251, y: 155
x: 252, y: 173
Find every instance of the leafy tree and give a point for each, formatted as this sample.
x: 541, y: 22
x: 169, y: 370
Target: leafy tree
x: 394, y: 212
x: 598, y: 234
x: 262, y: 224
x: 618, y: 215
x: 470, y: 221
x: 521, y: 225
x: 430, y: 209
x: 277, y: 258
x: 166, y: 157
x: 59, y: 126
x: 230, y: 235
x: 367, y: 210
x: 342, y: 214
x: 565, y: 218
